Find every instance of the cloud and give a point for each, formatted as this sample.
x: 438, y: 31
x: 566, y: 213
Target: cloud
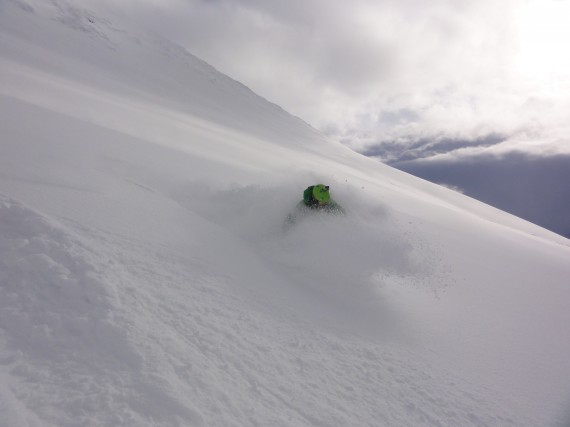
x: 396, y: 152
x: 531, y: 187
x: 392, y: 72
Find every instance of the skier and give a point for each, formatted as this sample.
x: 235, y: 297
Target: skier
x: 316, y: 198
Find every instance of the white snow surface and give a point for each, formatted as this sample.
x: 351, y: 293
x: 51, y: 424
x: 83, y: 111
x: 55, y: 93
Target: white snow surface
x: 146, y: 279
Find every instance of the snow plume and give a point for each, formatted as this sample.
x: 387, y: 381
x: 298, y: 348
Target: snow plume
x: 347, y: 260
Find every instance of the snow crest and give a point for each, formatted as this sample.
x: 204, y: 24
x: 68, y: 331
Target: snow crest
x: 60, y: 343
x: 50, y: 294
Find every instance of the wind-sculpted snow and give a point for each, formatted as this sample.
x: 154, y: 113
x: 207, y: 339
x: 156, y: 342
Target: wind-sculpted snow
x: 64, y: 343
x: 55, y: 314
x: 50, y: 294
x: 144, y: 337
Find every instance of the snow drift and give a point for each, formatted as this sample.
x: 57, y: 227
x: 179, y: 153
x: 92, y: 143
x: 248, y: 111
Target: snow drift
x: 145, y: 277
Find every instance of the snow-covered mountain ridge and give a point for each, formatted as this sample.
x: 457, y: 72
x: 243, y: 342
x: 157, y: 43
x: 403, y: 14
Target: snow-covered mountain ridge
x: 145, y: 278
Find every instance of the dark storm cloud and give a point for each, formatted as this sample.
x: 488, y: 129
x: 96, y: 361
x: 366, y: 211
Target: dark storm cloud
x: 396, y: 152
x: 531, y: 187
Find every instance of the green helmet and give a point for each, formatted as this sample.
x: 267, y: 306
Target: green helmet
x: 321, y: 193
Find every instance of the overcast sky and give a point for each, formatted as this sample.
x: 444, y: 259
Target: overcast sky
x: 397, y: 79
x: 383, y: 71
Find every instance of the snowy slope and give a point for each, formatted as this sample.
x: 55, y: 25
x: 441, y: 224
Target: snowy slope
x: 145, y: 278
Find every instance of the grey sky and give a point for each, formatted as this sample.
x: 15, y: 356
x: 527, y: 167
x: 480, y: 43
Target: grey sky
x: 368, y: 71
